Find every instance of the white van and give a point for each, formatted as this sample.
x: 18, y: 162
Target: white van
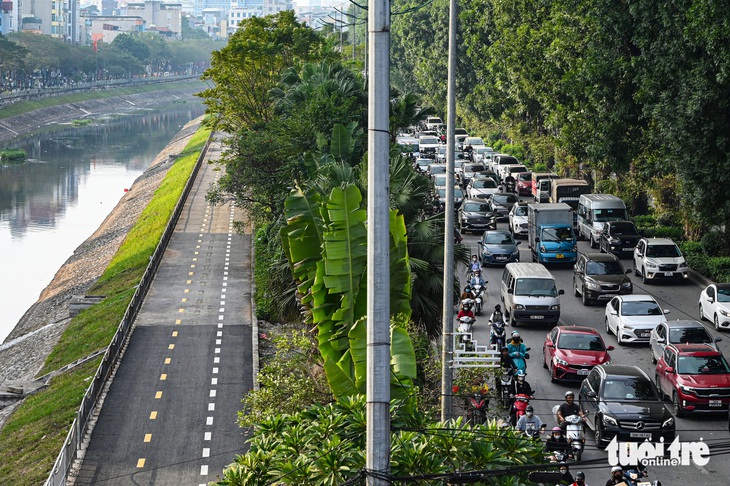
x: 594, y: 211
x: 528, y: 293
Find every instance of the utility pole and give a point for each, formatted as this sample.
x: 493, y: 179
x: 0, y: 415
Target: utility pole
x: 447, y: 325
x: 377, y: 450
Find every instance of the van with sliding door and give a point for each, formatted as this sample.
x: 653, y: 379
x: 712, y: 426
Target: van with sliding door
x: 594, y: 211
x: 528, y: 293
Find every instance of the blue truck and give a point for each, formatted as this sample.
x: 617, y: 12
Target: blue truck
x: 550, y: 234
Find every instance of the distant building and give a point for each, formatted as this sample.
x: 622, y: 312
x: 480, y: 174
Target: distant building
x: 161, y: 17
x: 56, y: 18
x: 107, y: 28
x: 7, y: 20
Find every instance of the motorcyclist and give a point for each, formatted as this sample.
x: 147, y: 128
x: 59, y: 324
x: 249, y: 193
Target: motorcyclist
x: 521, y: 387
x: 567, y: 409
x: 476, y: 278
x: 467, y: 293
x: 506, y: 365
x: 557, y: 442
x: 475, y: 265
x: 497, y: 315
x: 580, y: 479
x: 509, y: 182
x: 617, y: 476
x: 465, y: 310
x: 530, y: 422
x: 517, y: 351
x: 567, y: 478
x: 469, y: 152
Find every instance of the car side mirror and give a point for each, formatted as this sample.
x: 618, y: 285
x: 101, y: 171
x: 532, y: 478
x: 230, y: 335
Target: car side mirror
x: 666, y: 311
x: 661, y: 341
x: 591, y: 394
x: 517, y: 242
x: 561, y: 292
x: 718, y: 339
x: 510, y: 291
x: 537, y: 238
x: 628, y: 270
x: 610, y: 348
x: 710, y: 300
x: 550, y: 345
x: 638, y: 252
x: 669, y: 370
x: 614, y: 313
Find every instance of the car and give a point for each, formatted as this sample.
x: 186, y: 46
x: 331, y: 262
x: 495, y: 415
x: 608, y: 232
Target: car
x: 622, y: 402
x: 427, y: 145
x: 422, y: 164
x: 678, y: 332
x: 481, y: 152
x: 599, y: 276
x: 570, y: 352
x: 517, y: 219
x: 434, y: 123
x: 497, y: 247
x: 481, y: 188
x: 441, y: 154
x: 469, y: 171
x: 439, y: 180
x: 435, y: 169
x: 524, y: 183
x: 632, y: 317
x: 659, y: 258
x: 458, y: 196
x: 714, y: 305
x: 619, y: 238
x: 475, y: 215
x: 696, y: 377
x: 501, y: 203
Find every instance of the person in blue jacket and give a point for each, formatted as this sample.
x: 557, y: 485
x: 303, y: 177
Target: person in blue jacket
x: 517, y: 351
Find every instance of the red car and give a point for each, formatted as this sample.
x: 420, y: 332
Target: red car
x: 570, y: 352
x: 695, y: 376
x: 524, y: 184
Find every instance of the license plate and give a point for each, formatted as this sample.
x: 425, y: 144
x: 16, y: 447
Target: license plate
x: 668, y: 274
x: 716, y: 403
x: 628, y: 249
x: 645, y: 334
x: 641, y: 435
x: 583, y: 372
x: 501, y: 257
x: 559, y: 255
x: 537, y: 317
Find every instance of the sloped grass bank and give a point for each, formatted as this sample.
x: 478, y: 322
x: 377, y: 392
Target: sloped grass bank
x: 34, y: 433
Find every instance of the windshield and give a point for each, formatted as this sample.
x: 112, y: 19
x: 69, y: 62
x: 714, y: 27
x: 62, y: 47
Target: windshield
x: 663, y: 251
x: 508, y: 161
x: 474, y: 141
x: 433, y: 120
x: 524, y: 176
x: 603, y: 215
x: 604, y: 268
x: 484, y: 184
x: 424, y: 162
x: 588, y: 342
x: 723, y: 294
x: 689, y: 335
x: 518, y: 170
x: 536, y: 287
x: 437, y: 169
x: 629, y: 388
x: 442, y: 150
x: 520, y: 210
x: 701, y: 365
x: 484, y: 150
x: 474, y: 168
x: 623, y: 229
x: 472, y: 207
x: 429, y: 141
x: 440, y: 180
x: 641, y: 308
x: 458, y: 193
x: 498, y: 239
x: 504, y: 199
x: 558, y: 234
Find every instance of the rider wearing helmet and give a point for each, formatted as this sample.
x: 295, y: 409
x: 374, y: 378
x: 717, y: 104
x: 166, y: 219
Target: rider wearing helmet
x: 580, y: 479
x: 567, y: 409
x: 496, y: 315
x: 465, y: 310
x: 567, y: 478
x: 475, y: 265
x: 467, y: 293
x: 517, y: 350
x: 530, y: 422
x: 521, y: 386
x: 557, y: 442
x: 617, y: 476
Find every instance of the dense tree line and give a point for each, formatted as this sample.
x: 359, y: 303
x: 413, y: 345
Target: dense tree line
x: 634, y: 94
x: 40, y: 61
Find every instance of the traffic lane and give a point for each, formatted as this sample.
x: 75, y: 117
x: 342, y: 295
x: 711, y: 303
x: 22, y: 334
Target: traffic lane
x: 680, y: 299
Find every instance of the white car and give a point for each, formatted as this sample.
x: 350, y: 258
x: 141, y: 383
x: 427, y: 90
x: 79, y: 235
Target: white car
x: 481, y: 188
x: 679, y: 332
x: 632, y: 317
x: 518, y: 219
x: 659, y: 258
x: 715, y: 305
x: 481, y: 152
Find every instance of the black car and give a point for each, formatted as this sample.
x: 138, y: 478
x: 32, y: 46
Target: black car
x: 619, y: 238
x: 469, y: 171
x: 600, y: 276
x: 623, y: 402
x: 475, y: 215
x: 501, y: 203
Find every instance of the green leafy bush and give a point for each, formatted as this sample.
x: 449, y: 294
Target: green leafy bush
x: 714, y: 243
x: 719, y: 269
x: 265, y: 305
x: 690, y: 248
x: 674, y: 233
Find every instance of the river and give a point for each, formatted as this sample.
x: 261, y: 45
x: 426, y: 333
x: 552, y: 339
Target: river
x: 72, y: 180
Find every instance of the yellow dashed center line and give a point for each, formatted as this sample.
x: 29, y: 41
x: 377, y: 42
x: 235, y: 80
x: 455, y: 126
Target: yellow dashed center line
x: 189, y: 282
x: 178, y: 321
x: 187, y: 291
x: 181, y: 311
x: 163, y: 376
x: 153, y: 415
x: 174, y: 333
x: 148, y: 437
x: 158, y: 394
x: 184, y: 300
x: 191, y: 273
x: 171, y: 346
x: 140, y: 462
x: 168, y: 360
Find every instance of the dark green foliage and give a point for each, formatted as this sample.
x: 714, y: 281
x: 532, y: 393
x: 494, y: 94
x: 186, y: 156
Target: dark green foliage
x: 714, y: 243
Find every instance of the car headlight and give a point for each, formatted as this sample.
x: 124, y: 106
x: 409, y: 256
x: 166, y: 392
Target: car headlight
x: 626, y: 285
x: 724, y: 312
x: 516, y: 252
x: 683, y: 265
x: 575, y: 248
x: 555, y: 307
x: 626, y: 327
x: 669, y: 422
x: 519, y: 306
x: 592, y: 285
x: 614, y: 241
x: 609, y: 421
x: 559, y: 361
x: 687, y: 389
x: 486, y: 252
x: 542, y: 248
x: 649, y: 264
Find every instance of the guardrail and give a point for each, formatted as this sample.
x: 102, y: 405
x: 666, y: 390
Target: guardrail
x: 72, y: 444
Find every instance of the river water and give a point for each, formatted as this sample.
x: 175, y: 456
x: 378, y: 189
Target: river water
x: 73, y: 179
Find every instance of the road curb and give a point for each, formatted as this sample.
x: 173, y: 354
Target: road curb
x: 699, y: 278
x: 254, y: 320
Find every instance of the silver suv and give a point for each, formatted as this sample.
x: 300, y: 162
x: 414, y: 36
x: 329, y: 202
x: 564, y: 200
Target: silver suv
x: 659, y: 258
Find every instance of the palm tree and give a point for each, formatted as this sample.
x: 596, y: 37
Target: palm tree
x: 405, y: 112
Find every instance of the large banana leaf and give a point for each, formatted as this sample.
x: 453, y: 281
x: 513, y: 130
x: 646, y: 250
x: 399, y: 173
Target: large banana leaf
x: 400, y: 273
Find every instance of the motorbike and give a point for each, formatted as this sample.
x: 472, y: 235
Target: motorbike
x: 632, y: 478
x: 509, y: 186
x: 477, y: 408
x: 477, y: 291
x: 574, y: 432
x: 505, y: 383
x: 533, y: 432
x: 521, y: 401
x: 497, y: 334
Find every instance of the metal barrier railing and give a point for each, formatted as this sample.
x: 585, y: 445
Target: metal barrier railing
x: 72, y: 444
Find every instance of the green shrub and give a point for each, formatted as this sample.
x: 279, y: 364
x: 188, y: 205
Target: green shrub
x: 719, y: 269
x: 13, y: 155
x: 265, y: 304
x: 644, y: 221
x: 714, y: 243
x: 672, y: 232
x: 699, y: 262
x: 690, y: 248
x: 606, y: 186
x: 539, y: 167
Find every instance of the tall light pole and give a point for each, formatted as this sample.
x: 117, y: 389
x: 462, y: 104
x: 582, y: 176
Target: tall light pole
x: 447, y: 325
x: 377, y: 449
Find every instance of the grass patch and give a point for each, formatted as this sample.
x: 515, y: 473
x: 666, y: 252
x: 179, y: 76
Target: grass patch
x: 26, y: 106
x: 32, y: 439
x: 34, y: 433
x: 81, y: 123
x: 13, y: 156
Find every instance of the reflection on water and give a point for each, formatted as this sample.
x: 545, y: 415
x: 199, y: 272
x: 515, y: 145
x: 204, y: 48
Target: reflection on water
x: 73, y: 179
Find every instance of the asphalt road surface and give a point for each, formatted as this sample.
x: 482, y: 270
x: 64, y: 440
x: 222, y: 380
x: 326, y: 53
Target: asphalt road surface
x: 680, y: 299
x: 170, y: 415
